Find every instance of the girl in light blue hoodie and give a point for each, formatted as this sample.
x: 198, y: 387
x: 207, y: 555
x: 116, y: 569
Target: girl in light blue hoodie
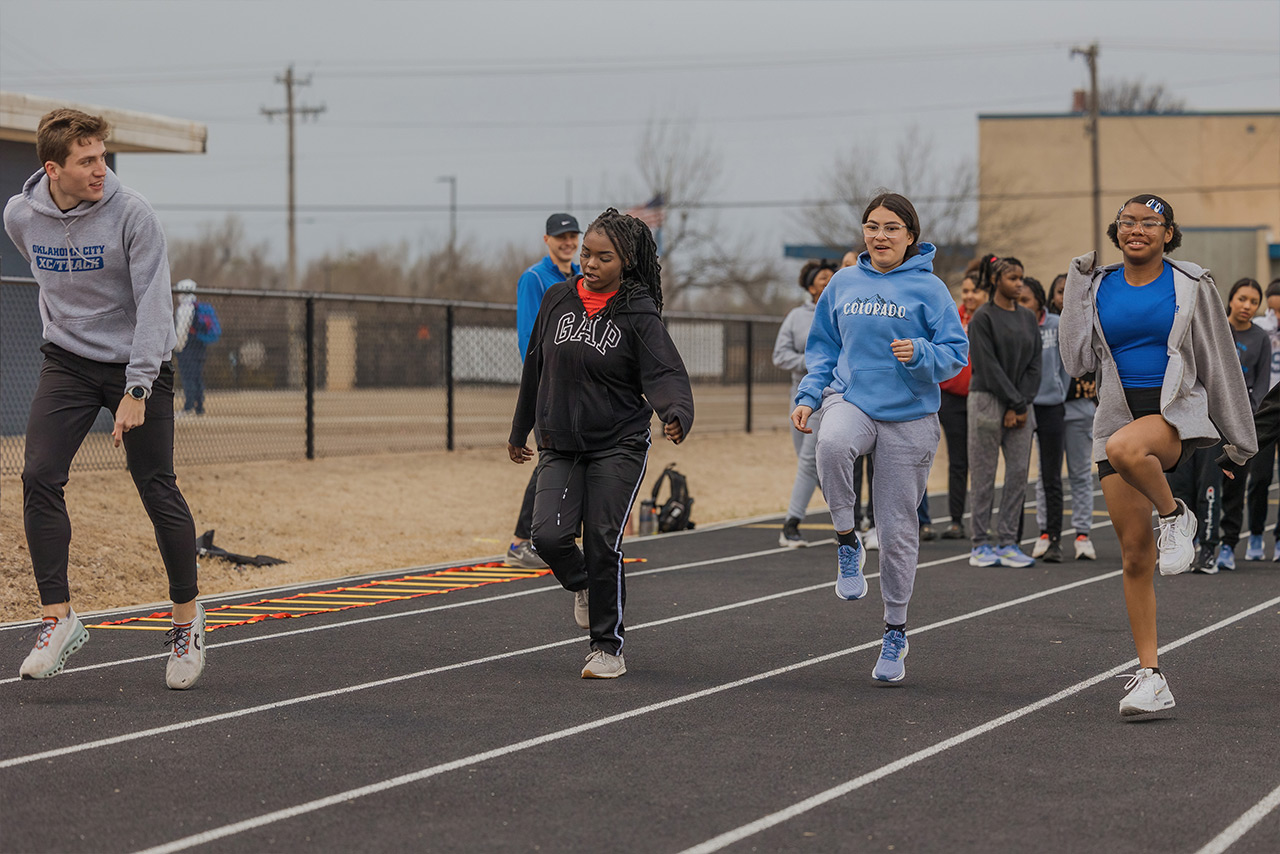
x: 885, y: 333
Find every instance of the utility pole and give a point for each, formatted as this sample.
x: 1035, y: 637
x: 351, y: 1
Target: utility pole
x: 290, y: 111
x: 1090, y: 55
x: 452, y: 181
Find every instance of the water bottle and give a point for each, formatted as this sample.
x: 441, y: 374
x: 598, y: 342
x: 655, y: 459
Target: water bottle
x: 648, y: 517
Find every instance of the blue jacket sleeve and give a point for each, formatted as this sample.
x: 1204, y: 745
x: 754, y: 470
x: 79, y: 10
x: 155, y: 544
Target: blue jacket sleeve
x: 945, y: 352
x: 529, y: 293
x: 821, y: 354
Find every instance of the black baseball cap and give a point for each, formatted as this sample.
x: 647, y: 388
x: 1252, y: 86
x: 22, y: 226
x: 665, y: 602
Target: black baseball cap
x: 562, y: 223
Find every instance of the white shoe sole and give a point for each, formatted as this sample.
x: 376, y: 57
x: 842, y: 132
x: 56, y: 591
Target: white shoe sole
x: 1128, y: 712
x: 80, y: 639
x: 791, y: 544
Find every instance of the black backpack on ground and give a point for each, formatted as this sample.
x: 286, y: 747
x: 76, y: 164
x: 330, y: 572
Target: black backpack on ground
x: 674, y: 514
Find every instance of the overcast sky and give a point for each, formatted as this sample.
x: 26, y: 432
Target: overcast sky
x: 531, y: 103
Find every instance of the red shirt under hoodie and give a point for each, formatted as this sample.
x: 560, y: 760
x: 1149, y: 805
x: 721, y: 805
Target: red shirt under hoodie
x: 959, y: 384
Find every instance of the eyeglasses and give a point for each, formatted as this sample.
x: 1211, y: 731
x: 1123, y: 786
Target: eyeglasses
x: 1127, y: 224
x: 891, y: 230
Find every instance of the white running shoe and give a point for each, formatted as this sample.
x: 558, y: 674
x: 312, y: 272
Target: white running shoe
x: 871, y: 540
x: 186, y: 654
x: 1041, y: 546
x: 1148, y: 692
x: 1084, y: 548
x: 55, y: 641
x: 1175, y: 541
x: 582, y: 609
x: 602, y: 665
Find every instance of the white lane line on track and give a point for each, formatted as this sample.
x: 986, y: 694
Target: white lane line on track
x: 1243, y: 824
x: 435, y: 770
x: 447, y: 607
x: 452, y: 605
x: 740, y: 833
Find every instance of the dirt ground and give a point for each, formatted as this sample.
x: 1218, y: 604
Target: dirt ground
x: 345, y: 515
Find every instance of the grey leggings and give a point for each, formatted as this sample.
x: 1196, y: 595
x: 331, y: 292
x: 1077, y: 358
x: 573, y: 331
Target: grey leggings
x: 987, y: 437
x: 903, y: 454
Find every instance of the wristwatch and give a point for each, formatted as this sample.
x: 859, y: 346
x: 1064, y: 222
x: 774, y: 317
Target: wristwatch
x: 137, y: 392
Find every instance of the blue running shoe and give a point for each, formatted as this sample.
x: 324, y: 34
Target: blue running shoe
x: 1226, y: 557
x: 850, y: 582
x: 889, y: 667
x: 983, y: 555
x: 1256, y: 550
x: 1011, y: 555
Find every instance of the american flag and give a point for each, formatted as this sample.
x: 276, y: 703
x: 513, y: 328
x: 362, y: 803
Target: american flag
x: 651, y: 213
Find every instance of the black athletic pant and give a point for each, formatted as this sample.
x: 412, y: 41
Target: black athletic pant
x: 1257, y: 476
x: 594, y: 489
x: 1051, y: 433
x: 524, y: 522
x: 1198, y: 482
x: 1261, y: 470
x: 68, y: 397
x: 954, y: 418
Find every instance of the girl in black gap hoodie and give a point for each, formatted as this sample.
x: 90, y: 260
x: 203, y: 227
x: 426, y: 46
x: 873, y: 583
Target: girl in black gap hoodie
x: 599, y: 364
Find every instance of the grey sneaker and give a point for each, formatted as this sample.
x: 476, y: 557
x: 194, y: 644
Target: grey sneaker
x: 186, y: 654
x: 890, y: 666
x: 850, y: 582
x: 56, y: 640
x: 582, y: 609
x: 602, y: 665
x: 523, y: 556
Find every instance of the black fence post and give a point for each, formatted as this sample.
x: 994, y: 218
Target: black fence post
x: 448, y: 375
x: 311, y: 377
x: 750, y: 365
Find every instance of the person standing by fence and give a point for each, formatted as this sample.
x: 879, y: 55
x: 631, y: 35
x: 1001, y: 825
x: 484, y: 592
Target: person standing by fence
x: 561, y: 239
x: 885, y: 333
x: 197, y: 326
x: 98, y: 254
x: 600, y: 363
x: 788, y: 354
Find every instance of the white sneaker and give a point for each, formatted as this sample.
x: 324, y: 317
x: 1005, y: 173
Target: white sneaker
x: 602, y: 665
x: 1175, y: 541
x: 56, y: 640
x: 582, y: 609
x: 871, y: 540
x: 186, y: 655
x: 1148, y: 692
x: 1084, y: 548
x: 1041, y: 546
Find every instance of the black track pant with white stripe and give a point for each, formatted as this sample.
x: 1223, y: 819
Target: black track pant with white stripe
x: 594, y: 489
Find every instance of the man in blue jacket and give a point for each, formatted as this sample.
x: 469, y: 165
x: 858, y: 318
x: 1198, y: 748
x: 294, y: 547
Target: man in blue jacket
x: 562, y: 245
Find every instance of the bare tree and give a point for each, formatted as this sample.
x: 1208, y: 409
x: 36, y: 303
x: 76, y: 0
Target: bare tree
x: 1135, y: 96
x: 222, y: 257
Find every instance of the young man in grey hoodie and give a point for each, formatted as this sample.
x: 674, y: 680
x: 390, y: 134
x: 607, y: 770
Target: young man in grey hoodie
x: 98, y: 254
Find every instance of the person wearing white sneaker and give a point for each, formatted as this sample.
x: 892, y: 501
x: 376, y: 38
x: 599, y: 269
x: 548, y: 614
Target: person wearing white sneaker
x: 1155, y: 332
x: 885, y: 333
x: 98, y: 253
x: 1148, y: 693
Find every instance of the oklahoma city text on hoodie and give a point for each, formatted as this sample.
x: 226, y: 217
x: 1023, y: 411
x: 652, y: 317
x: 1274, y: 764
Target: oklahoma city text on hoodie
x: 103, y: 273
x: 858, y: 316
x: 584, y: 377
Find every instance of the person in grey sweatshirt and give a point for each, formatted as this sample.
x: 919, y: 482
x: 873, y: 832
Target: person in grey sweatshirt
x: 788, y: 354
x: 98, y: 254
x: 1169, y: 381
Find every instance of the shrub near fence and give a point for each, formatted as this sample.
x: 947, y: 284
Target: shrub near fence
x: 299, y: 375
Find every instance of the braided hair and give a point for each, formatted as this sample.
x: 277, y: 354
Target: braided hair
x: 641, y: 272
x: 991, y: 268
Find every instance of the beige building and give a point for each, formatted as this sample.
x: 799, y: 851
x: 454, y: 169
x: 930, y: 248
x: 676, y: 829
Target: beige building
x: 1220, y: 171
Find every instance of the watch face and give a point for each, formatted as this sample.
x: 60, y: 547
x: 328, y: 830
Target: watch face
x: 137, y: 393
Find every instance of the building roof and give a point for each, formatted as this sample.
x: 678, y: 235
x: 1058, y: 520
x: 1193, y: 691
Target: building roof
x: 1188, y: 114
x: 130, y: 131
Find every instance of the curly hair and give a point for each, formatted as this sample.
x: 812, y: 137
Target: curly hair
x: 1157, y: 205
x: 810, y: 271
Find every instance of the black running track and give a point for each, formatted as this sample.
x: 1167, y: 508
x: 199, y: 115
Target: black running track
x: 747, y: 720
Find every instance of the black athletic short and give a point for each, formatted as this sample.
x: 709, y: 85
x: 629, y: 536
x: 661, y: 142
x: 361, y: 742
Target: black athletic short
x: 1142, y: 402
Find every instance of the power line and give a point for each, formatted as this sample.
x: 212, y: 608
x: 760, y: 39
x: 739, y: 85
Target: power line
x: 756, y: 204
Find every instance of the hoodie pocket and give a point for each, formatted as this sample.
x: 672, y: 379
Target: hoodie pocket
x: 882, y: 384
x: 109, y: 327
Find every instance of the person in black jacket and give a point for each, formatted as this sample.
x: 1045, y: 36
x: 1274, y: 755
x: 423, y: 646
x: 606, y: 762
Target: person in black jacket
x: 599, y: 364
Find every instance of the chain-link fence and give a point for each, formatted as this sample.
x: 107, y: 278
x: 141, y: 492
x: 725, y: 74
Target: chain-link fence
x: 295, y: 376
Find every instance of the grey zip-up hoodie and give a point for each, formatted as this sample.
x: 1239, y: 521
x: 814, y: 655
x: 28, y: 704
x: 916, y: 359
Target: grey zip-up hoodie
x: 1203, y: 393
x: 103, y: 273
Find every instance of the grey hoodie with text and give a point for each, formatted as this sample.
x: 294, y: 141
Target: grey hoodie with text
x: 1203, y: 393
x: 103, y: 273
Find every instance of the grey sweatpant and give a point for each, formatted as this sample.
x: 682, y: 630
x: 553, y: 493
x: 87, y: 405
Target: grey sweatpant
x: 903, y: 453
x: 987, y: 438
